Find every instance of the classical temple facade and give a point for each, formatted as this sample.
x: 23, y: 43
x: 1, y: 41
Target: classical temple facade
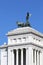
x: 25, y: 47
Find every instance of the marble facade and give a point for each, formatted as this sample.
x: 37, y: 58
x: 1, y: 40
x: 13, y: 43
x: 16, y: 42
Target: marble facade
x: 25, y: 47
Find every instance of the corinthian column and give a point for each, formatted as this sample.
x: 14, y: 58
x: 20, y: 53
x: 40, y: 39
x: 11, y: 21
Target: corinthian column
x: 35, y: 57
x: 21, y: 56
x: 12, y: 57
x: 16, y: 57
x: 27, y: 56
x: 30, y: 56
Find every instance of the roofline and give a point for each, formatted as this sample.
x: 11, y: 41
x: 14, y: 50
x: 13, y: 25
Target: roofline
x: 26, y: 33
x: 28, y: 43
x: 33, y: 31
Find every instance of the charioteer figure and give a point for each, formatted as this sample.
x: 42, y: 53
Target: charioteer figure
x: 21, y: 24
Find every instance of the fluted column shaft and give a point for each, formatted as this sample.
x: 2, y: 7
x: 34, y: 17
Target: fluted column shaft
x: 30, y: 56
x: 27, y: 56
x: 21, y: 56
x: 12, y: 57
x: 16, y: 57
x: 35, y: 57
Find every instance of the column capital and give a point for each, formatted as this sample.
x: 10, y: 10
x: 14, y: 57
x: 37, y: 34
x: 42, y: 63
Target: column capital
x: 24, y: 48
x: 27, y: 48
x: 21, y: 48
x: 11, y: 50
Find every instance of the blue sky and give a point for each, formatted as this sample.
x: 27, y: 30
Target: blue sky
x: 15, y: 10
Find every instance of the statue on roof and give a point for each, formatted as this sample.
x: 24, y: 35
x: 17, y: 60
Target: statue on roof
x: 21, y: 24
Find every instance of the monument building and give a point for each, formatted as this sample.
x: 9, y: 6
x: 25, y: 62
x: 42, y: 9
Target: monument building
x: 25, y: 46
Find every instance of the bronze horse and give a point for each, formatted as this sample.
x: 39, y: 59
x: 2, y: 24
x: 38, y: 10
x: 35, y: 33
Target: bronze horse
x: 21, y: 24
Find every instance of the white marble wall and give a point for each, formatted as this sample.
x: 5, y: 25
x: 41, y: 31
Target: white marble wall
x: 3, y: 57
x: 29, y: 55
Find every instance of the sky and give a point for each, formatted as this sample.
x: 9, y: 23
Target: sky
x: 12, y: 11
